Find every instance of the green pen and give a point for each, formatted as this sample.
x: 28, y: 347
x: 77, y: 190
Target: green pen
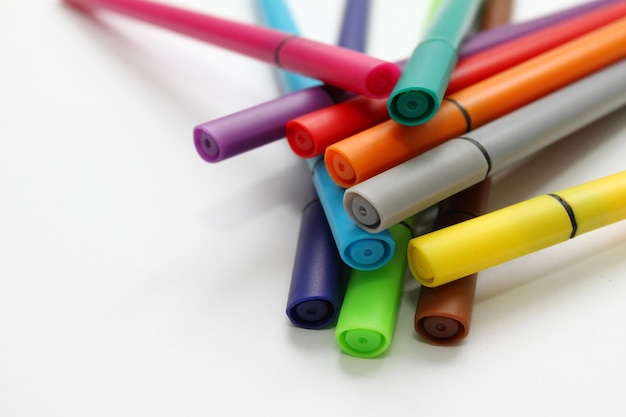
x: 370, y: 306
x: 417, y: 95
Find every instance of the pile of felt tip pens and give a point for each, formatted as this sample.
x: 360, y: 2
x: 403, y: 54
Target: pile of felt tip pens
x: 385, y: 141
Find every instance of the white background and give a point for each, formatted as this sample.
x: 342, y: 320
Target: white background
x: 138, y: 280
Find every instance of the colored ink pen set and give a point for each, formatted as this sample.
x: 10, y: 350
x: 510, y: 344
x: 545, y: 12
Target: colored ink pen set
x: 385, y: 141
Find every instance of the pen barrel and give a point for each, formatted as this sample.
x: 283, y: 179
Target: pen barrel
x: 547, y: 72
x: 315, y: 292
x: 367, y: 318
x: 340, y: 67
x: 251, y: 40
x: 276, y: 15
x: 353, y: 34
x: 597, y: 203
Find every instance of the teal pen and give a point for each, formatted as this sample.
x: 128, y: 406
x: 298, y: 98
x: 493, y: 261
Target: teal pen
x: 417, y: 95
x: 276, y: 14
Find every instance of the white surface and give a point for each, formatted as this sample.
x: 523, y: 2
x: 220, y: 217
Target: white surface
x: 138, y: 280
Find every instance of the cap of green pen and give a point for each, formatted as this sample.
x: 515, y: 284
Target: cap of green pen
x: 368, y: 314
x: 417, y: 95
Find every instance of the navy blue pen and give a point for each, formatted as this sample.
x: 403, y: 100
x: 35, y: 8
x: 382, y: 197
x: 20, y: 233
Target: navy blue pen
x: 319, y: 273
x: 318, y: 277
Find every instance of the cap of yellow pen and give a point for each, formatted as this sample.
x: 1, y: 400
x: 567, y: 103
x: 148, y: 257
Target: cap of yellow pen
x: 465, y: 248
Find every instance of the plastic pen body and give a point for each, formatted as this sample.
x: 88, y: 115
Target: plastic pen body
x: 275, y: 14
x: 517, y: 230
x: 425, y: 180
x: 341, y: 67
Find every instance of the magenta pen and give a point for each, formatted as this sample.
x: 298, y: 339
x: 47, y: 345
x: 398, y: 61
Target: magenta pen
x: 341, y: 67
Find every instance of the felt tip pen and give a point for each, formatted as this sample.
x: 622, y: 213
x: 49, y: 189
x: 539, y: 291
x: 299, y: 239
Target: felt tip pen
x: 418, y: 183
x: 418, y: 93
x: 474, y: 245
x: 368, y: 153
x: 443, y: 314
x: 367, y: 318
x: 342, y: 67
x: 310, y: 134
x: 358, y: 249
x: 275, y: 14
x: 317, y: 281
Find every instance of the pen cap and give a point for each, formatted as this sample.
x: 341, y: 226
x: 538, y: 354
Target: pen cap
x: 339, y: 67
x: 367, y: 318
x: 315, y: 293
x: 423, y: 83
x: 471, y: 246
x: 418, y: 93
x: 357, y: 248
x: 443, y: 314
x: 310, y: 134
x: 410, y: 187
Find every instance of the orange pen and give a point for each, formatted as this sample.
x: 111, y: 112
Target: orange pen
x: 365, y: 154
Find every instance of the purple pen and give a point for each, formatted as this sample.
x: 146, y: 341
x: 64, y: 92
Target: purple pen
x: 259, y: 125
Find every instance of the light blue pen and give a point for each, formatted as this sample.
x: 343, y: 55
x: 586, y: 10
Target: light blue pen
x: 359, y: 249
x: 417, y: 95
x: 275, y: 14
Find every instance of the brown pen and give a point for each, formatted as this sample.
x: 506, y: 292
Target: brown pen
x: 443, y: 314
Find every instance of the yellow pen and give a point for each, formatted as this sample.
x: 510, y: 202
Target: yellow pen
x: 465, y: 248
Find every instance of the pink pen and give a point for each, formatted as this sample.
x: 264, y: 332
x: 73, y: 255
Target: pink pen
x: 340, y: 67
